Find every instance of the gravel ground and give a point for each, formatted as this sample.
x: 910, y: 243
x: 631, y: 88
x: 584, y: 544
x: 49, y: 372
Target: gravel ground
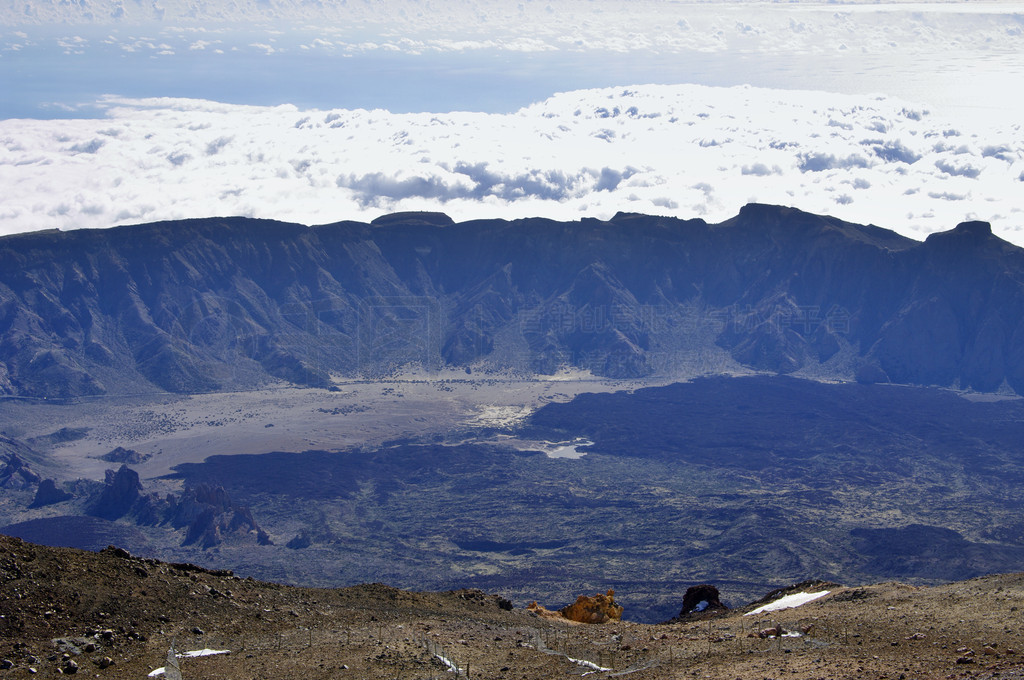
x: 111, y: 615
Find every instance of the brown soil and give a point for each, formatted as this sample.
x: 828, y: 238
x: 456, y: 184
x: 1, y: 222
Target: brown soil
x: 92, y: 608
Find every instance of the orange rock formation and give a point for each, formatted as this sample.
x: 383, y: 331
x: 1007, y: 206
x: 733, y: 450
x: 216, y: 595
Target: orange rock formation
x: 596, y: 609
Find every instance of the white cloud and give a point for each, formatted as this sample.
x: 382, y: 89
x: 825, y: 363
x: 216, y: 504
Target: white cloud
x: 681, y: 150
x: 615, y: 25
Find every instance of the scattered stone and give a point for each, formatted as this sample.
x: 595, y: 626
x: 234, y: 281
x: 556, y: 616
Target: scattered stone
x: 69, y: 667
x: 196, y: 630
x: 6, y: 664
x: 105, y: 662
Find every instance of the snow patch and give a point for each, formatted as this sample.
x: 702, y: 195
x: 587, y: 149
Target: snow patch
x: 190, y: 655
x: 588, y: 664
x: 788, y: 602
x: 452, y: 668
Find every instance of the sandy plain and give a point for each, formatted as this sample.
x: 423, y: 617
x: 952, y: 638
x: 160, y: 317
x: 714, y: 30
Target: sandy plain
x: 174, y: 429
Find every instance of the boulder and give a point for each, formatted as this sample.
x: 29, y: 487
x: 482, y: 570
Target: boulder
x: 542, y: 611
x: 48, y: 493
x: 123, y: 455
x: 209, y: 515
x: 120, y: 493
x: 700, y: 602
x: 596, y: 609
x: 701, y: 599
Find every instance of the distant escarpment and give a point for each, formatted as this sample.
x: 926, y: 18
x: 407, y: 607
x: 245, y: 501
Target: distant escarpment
x: 227, y: 303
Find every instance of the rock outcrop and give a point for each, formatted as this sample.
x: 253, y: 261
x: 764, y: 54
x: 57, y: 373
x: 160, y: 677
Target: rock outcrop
x: 121, y: 491
x: 126, y: 456
x: 205, y: 512
x: 542, y: 611
x: 16, y: 474
x: 700, y: 602
x: 48, y: 494
x: 586, y: 609
x: 208, y: 516
x: 593, y: 609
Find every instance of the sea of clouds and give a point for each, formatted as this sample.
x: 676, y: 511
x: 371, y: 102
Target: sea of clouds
x: 765, y: 123
x: 683, y: 150
x: 539, y: 25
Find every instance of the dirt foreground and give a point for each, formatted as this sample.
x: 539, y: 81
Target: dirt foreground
x: 111, y: 615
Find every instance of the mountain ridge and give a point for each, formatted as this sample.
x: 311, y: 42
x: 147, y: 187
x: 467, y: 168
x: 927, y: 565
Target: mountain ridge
x: 229, y: 303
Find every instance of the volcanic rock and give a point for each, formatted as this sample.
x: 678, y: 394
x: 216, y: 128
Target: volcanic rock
x: 48, y: 493
x: 700, y: 601
x: 121, y: 491
x: 123, y: 455
x: 16, y: 474
x: 596, y: 609
x: 542, y: 611
x: 209, y: 515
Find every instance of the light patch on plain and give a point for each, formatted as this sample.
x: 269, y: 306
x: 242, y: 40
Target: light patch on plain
x: 501, y: 416
x: 570, y: 450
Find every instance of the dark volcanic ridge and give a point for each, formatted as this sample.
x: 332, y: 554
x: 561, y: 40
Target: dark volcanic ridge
x: 230, y: 303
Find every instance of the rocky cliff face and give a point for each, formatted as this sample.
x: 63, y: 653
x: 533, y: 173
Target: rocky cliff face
x: 224, y: 303
x: 16, y: 473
